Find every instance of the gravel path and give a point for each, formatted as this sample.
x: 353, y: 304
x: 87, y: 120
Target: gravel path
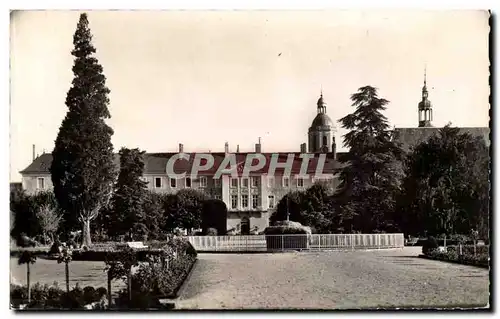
x: 332, y: 280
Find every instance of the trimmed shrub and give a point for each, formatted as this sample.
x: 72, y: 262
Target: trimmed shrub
x: 429, y: 245
x: 211, y: 232
x: 296, y: 241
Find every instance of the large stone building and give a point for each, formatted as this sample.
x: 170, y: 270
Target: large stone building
x: 250, y: 200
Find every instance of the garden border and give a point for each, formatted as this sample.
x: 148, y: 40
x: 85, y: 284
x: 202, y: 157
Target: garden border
x: 459, y: 262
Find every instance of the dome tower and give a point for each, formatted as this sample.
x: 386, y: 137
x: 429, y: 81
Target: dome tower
x: 321, y: 131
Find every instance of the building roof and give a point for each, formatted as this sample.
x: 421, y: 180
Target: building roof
x: 411, y: 136
x: 156, y: 163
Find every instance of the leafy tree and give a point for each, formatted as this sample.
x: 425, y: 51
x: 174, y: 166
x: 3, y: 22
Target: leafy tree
x: 312, y: 207
x: 83, y: 169
x: 49, y: 220
x: 27, y: 258
x: 372, y: 172
x: 154, y: 221
x: 446, y: 186
x: 65, y: 256
x: 184, y: 209
x: 130, y: 194
x: 25, y: 207
x: 289, y: 208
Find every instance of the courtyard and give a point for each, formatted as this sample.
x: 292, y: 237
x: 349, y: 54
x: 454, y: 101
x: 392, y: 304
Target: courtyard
x: 331, y: 280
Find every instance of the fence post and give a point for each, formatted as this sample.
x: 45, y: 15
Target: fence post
x: 282, y: 243
x: 216, y: 248
x: 460, y: 247
x: 319, y: 242
x: 352, y: 242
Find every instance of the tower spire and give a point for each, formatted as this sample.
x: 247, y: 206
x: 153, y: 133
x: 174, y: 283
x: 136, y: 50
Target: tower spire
x: 425, y: 106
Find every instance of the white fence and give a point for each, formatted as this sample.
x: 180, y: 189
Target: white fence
x: 297, y: 242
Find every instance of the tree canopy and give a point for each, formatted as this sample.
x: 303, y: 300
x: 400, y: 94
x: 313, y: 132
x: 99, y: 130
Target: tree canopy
x: 83, y: 169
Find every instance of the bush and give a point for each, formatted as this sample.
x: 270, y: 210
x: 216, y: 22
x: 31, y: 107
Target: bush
x: 54, y: 249
x: 45, y: 297
x: 25, y: 241
x: 160, y: 277
x: 211, y: 232
x: 429, y: 245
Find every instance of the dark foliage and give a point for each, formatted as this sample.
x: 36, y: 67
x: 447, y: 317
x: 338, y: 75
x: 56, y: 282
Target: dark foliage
x: 430, y: 244
x: 372, y: 172
x: 446, y: 188
x: 214, y: 215
x: 83, y: 169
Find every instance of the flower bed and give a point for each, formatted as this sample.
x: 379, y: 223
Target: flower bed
x: 52, y: 297
x: 160, y: 277
x: 480, y: 259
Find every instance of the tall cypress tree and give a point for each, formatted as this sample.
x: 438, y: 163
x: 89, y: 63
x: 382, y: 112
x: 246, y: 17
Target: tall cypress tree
x: 83, y: 170
x: 371, y: 177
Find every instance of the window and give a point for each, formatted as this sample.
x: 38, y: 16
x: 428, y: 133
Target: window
x: 244, y: 201
x: 286, y: 181
x: 41, y: 183
x: 188, y: 182
x: 271, y: 201
x: 203, y: 181
x: 255, y: 201
x: 234, y: 182
x: 234, y: 201
x: 255, y: 181
x: 217, y: 197
x: 270, y: 181
x: 244, y: 181
x: 157, y: 182
x: 173, y: 182
x: 325, y: 141
x: 300, y: 182
x: 217, y: 182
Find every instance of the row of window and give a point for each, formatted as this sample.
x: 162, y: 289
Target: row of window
x: 285, y: 181
x: 254, y: 182
x: 244, y: 201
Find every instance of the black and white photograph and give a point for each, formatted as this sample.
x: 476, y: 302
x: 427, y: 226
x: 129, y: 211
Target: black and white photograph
x: 179, y: 160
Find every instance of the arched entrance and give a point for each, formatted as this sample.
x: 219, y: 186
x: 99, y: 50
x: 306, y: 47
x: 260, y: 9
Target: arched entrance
x: 245, y: 226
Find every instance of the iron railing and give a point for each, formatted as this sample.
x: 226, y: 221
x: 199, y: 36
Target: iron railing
x: 297, y: 242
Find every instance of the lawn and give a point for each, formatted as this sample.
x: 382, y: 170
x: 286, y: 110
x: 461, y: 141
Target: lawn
x: 85, y: 273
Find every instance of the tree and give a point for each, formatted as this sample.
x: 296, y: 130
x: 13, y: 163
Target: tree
x: 154, y: 221
x: 65, y: 256
x: 83, y: 169
x: 27, y: 258
x: 372, y: 172
x: 446, y: 185
x: 312, y: 207
x: 25, y: 209
x: 184, y: 209
x: 49, y: 220
x: 214, y: 215
x: 130, y: 194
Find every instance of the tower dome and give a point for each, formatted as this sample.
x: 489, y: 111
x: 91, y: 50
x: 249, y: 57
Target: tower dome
x: 321, y: 129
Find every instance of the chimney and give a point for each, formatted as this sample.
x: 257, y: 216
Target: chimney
x: 226, y: 148
x: 303, y: 148
x: 237, y: 148
x: 34, y: 152
x: 258, y: 147
x: 181, y: 148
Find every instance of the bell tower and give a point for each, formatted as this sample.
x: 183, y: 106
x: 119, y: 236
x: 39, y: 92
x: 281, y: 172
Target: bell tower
x: 425, y: 106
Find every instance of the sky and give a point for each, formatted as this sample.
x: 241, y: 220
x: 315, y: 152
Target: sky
x: 203, y: 78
